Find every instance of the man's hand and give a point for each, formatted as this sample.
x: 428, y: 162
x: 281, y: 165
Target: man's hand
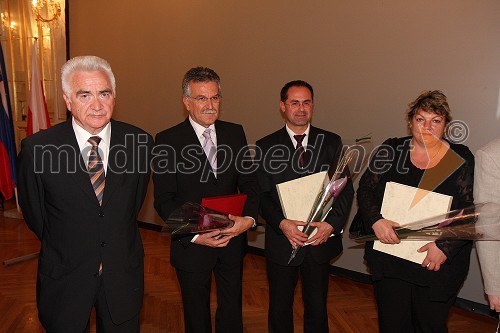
x: 325, y: 229
x: 212, y: 239
x: 292, y: 233
x: 494, y: 301
x: 241, y: 224
x: 384, y: 230
x: 435, y: 257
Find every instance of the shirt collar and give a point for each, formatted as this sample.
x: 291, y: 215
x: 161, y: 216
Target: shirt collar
x: 82, y: 135
x: 198, y: 129
x: 291, y: 134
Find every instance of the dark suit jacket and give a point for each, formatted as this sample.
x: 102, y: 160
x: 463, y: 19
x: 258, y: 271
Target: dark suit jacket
x: 76, y: 234
x: 278, y: 164
x: 182, y: 173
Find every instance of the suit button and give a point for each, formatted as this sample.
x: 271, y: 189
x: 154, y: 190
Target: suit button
x: 103, y: 244
x: 101, y: 214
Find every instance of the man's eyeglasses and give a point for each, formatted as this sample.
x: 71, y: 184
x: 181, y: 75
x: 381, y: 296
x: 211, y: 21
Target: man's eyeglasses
x: 297, y: 104
x: 203, y: 100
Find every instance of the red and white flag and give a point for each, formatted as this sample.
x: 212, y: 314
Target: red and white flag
x: 38, y: 115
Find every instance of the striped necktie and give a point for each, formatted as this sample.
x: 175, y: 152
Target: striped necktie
x: 96, y: 168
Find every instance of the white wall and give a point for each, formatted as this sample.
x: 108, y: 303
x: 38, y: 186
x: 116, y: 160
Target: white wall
x: 365, y: 58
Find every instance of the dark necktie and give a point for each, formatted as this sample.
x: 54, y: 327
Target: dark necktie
x: 299, y: 150
x: 96, y: 168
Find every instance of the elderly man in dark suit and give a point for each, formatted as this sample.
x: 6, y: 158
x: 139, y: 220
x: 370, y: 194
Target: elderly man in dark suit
x: 294, y: 151
x: 184, y: 172
x: 81, y: 185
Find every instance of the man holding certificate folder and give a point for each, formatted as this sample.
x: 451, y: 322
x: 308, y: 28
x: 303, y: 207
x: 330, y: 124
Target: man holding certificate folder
x: 199, y: 158
x: 294, y: 151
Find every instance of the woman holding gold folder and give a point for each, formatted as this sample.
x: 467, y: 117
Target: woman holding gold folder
x: 412, y: 297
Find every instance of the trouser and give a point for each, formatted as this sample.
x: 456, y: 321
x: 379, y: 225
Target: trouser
x: 404, y: 307
x: 282, y: 283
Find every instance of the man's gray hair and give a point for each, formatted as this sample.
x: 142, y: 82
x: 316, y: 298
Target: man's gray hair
x: 199, y: 74
x: 86, y: 64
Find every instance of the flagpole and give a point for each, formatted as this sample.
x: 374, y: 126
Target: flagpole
x: 14, y: 213
x: 16, y: 260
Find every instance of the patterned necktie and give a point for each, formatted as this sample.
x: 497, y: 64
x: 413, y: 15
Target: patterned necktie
x: 300, y: 149
x: 96, y: 168
x: 209, y: 148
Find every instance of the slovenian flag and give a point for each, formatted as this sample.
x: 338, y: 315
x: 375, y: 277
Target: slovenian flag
x: 8, y: 177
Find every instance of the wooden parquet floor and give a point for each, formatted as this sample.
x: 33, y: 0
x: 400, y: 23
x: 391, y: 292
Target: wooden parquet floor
x: 351, y: 304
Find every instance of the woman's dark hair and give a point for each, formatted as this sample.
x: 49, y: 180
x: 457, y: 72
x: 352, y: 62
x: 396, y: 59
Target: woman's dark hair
x: 431, y: 101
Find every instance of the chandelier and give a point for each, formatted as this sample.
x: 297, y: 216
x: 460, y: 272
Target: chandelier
x: 53, y: 10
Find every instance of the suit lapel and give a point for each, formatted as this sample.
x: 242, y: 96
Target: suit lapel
x: 314, y: 144
x: 190, y: 138
x: 222, y: 154
x: 76, y: 166
x: 284, y: 139
x: 120, y: 159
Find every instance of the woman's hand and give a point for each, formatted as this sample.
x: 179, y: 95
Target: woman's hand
x: 384, y: 230
x: 435, y: 257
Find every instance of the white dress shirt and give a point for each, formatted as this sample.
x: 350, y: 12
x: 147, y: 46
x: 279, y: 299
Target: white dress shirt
x: 82, y: 136
x: 198, y: 129
x: 306, y: 138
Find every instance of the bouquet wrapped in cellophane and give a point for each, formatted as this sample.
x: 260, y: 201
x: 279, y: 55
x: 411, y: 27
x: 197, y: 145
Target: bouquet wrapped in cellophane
x: 193, y: 218
x: 477, y: 222
x: 325, y: 199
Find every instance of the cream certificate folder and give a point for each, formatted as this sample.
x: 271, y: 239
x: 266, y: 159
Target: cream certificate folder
x: 297, y: 196
x: 403, y: 205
